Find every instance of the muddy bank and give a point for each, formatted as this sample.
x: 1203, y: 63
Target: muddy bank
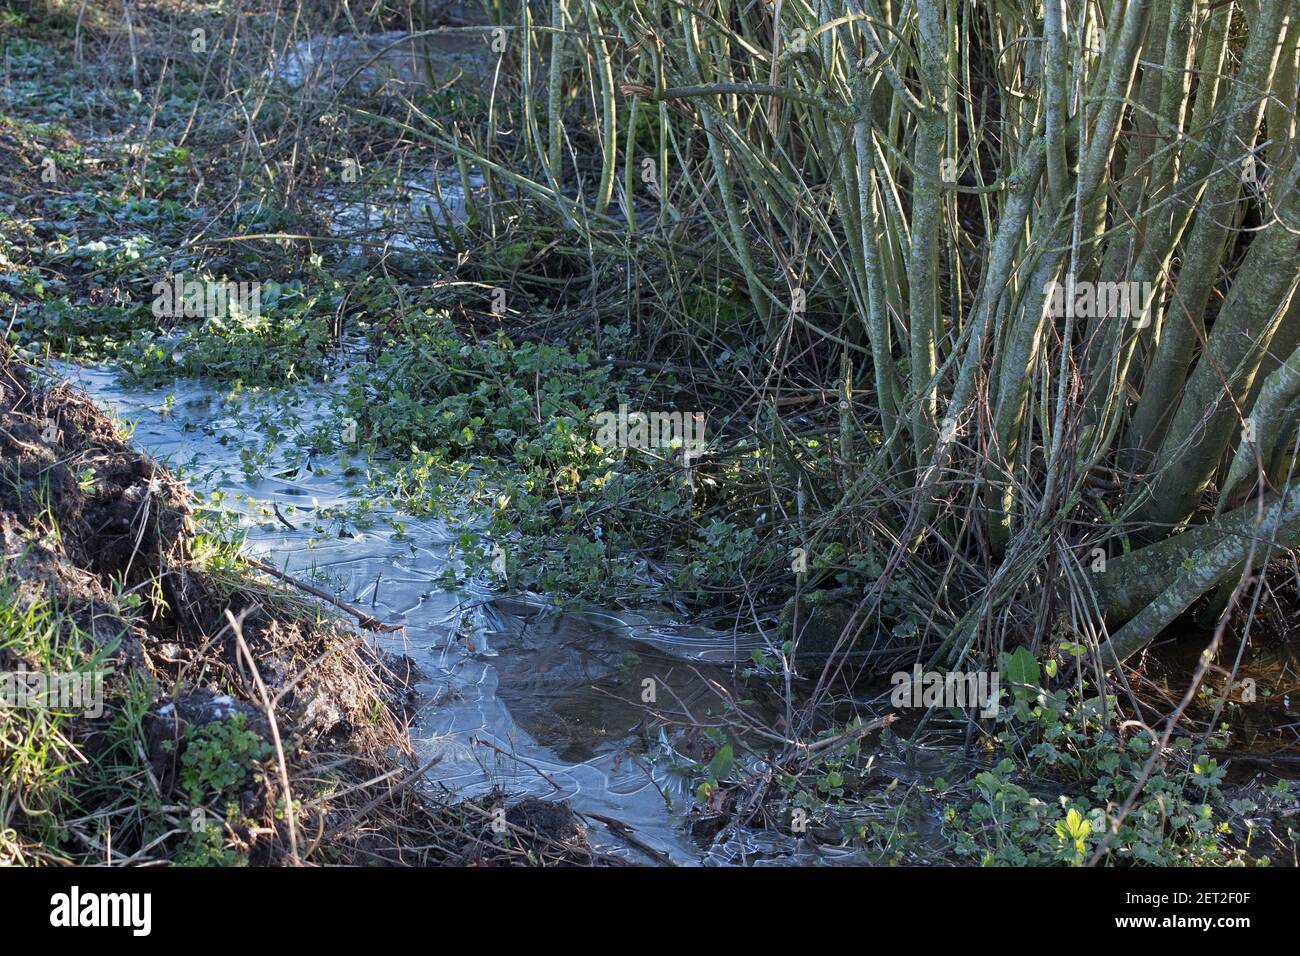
x: 226, y: 719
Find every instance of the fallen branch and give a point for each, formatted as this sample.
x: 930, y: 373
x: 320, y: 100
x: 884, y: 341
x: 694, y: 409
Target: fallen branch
x: 290, y: 814
x: 367, y: 621
x: 628, y: 835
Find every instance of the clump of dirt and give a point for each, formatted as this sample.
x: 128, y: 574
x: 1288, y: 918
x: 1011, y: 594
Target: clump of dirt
x: 96, y: 529
x: 550, y: 819
x: 526, y: 831
x: 65, y: 469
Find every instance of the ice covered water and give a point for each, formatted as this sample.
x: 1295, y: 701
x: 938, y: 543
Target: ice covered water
x: 515, y: 693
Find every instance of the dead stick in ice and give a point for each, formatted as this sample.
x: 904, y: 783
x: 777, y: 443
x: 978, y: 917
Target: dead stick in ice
x: 626, y: 832
x: 367, y: 621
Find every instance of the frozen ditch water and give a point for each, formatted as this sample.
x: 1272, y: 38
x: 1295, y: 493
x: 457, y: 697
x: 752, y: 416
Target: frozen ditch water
x: 386, y: 61
x: 410, y: 216
x: 515, y: 693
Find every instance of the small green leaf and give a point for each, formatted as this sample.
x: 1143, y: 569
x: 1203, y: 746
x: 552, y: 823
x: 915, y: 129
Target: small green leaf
x: 1022, y: 670
x: 722, y: 763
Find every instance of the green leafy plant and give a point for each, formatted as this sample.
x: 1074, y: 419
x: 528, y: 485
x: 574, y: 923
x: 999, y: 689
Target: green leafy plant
x: 218, y: 758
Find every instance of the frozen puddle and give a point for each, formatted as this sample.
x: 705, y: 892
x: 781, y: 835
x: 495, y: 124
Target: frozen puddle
x: 393, y: 61
x: 414, y: 215
x: 514, y: 693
